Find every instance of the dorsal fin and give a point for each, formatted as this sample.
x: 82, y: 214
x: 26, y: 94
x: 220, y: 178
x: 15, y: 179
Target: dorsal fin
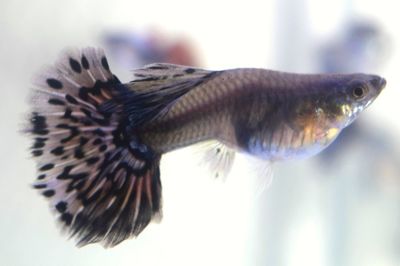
x: 157, y: 75
x: 156, y: 87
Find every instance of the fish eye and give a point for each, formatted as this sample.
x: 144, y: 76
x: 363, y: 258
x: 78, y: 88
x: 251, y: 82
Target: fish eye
x: 359, y: 92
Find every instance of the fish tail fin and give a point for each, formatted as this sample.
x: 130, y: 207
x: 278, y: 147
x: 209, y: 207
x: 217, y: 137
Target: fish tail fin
x: 102, y: 182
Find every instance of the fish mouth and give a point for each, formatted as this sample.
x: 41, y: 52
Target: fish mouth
x: 379, y: 83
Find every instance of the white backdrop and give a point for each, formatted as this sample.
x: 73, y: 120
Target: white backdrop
x: 206, y: 222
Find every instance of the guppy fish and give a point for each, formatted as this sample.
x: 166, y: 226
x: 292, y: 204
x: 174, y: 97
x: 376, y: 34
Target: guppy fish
x: 98, y: 142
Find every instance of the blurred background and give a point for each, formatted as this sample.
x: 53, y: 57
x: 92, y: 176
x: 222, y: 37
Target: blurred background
x: 341, y: 207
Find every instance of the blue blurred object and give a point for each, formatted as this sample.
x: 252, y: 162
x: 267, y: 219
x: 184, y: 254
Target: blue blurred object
x: 361, y: 48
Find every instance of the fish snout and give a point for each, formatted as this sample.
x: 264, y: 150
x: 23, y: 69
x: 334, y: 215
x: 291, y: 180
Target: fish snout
x: 378, y: 82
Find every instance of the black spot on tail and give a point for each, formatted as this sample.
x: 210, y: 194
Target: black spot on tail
x: 85, y: 62
x: 58, y: 150
x: 39, y: 143
x: 39, y: 186
x: 49, y: 193
x: 46, y: 167
x: 37, y: 153
x: 71, y: 99
x: 54, y: 101
x: 92, y: 160
x: 102, y: 148
x: 79, y: 153
x: 39, y: 127
x: 74, y: 131
x: 190, y: 70
x: 158, y: 67
x: 75, y: 65
x: 97, y: 141
x: 65, y: 173
x: 66, y: 218
x: 104, y: 63
x: 61, y: 206
x: 41, y: 177
x: 54, y: 83
x: 83, y: 141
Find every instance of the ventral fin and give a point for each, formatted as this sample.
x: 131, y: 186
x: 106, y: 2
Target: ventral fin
x: 218, y: 157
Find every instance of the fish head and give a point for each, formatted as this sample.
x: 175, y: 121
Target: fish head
x: 337, y: 102
x: 349, y: 97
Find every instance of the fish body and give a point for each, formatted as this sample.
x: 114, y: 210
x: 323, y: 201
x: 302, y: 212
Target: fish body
x: 269, y: 114
x: 98, y: 142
